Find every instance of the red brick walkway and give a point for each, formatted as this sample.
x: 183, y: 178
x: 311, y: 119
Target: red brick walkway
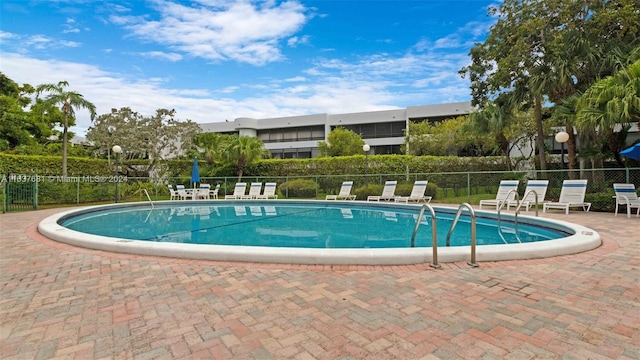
x: 62, y: 302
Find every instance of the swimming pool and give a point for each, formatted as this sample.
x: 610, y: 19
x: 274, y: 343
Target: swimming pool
x: 309, y: 232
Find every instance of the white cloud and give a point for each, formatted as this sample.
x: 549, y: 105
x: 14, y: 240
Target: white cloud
x: 220, y: 30
x: 173, y: 57
x: 39, y: 42
x: 295, y: 41
x: 7, y: 35
x: 296, y: 79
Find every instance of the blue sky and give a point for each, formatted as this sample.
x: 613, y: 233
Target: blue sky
x: 216, y: 60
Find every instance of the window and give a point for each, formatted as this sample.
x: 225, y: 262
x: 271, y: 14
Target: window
x: 317, y: 132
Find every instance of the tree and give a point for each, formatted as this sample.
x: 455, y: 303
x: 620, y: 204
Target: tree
x: 154, y: 137
x: 612, y: 101
x: 17, y: 126
x: 545, y: 50
x: 168, y: 136
x: 213, y: 146
x: 119, y: 127
x: 244, y: 150
x: 446, y: 137
x: 70, y: 100
x: 341, y: 142
x: 494, y: 119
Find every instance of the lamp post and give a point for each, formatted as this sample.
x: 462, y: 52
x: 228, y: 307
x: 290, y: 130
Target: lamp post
x: 116, y: 150
x: 562, y: 137
x: 366, y: 149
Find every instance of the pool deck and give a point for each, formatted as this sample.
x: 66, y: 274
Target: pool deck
x: 62, y: 302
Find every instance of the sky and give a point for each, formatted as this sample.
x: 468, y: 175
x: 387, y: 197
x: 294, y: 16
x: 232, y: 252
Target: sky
x: 217, y: 60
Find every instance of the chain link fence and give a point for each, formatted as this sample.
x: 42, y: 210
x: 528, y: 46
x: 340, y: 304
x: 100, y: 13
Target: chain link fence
x: 24, y: 192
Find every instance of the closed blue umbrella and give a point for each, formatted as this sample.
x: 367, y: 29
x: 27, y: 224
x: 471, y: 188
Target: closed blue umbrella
x: 632, y: 152
x: 195, y: 172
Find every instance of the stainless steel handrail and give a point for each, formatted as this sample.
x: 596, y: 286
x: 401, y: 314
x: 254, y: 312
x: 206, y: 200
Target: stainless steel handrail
x: 472, y: 214
x: 148, y: 197
x: 524, y: 197
x: 434, y: 233
x: 506, y: 202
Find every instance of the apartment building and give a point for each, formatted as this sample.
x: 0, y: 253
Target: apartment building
x: 298, y: 136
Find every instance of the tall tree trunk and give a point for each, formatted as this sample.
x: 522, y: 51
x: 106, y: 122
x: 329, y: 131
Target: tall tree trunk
x: 504, y: 146
x: 64, y: 145
x: 537, y: 113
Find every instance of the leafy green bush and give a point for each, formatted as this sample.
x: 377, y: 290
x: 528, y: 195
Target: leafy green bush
x: 601, y: 201
x: 299, y: 188
x: 364, y: 191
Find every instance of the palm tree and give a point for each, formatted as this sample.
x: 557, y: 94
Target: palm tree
x: 70, y: 100
x: 494, y: 119
x: 243, y: 151
x: 611, y: 101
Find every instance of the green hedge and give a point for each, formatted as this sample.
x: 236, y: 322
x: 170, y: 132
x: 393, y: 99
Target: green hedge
x: 52, y: 165
x: 343, y: 165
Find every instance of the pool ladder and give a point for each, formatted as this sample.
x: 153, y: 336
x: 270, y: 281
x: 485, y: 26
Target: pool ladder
x: 434, y: 233
x: 434, y: 236
x: 148, y: 197
x: 516, y: 211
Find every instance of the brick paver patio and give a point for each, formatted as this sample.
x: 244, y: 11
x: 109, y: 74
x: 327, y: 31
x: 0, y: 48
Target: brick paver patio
x: 62, y: 302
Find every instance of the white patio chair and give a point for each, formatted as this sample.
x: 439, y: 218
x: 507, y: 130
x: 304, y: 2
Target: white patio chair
x: 183, y: 194
x: 534, y: 188
x: 173, y: 194
x: 626, y: 194
x: 504, y: 194
x: 269, y: 191
x: 345, y: 192
x: 417, y: 193
x: 238, y: 191
x: 571, y: 195
x: 388, y: 192
x: 254, y: 191
x: 213, y: 194
x: 203, y: 192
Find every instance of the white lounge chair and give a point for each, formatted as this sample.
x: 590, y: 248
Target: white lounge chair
x: 183, y: 194
x: 254, y: 191
x: 269, y: 191
x: 626, y: 194
x: 203, y: 192
x: 571, y: 195
x: 345, y: 192
x: 417, y: 193
x: 505, y: 193
x: 173, y: 194
x: 388, y: 192
x: 534, y: 188
x: 238, y: 191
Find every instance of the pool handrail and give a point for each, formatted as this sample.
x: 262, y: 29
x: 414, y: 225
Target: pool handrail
x: 517, y: 199
x: 148, y: 197
x: 472, y: 214
x: 524, y: 197
x: 434, y: 233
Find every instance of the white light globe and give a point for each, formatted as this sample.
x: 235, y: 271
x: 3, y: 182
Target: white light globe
x: 562, y: 137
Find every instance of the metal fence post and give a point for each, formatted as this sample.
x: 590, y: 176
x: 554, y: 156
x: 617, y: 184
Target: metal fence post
x: 468, y: 187
x: 5, y: 189
x: 35, y: 193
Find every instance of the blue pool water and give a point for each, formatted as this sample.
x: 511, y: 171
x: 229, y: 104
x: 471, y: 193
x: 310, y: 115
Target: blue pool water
x: 308, y: 225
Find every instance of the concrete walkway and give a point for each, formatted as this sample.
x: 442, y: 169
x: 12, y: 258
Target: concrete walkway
x: 62, y: 302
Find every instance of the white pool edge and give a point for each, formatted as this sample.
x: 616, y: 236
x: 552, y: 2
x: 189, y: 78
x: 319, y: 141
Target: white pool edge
x: 584, y: 239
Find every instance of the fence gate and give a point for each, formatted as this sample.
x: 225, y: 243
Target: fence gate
x: 19, y: 195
